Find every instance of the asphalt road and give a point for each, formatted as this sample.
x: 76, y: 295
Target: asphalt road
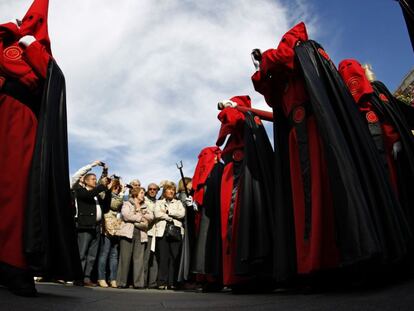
x: 394, y: 297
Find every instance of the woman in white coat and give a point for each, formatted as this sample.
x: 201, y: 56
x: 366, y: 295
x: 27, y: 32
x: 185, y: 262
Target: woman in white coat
x: 168, y: 250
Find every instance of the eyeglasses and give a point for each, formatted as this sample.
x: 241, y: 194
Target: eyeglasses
x: 155, y: 189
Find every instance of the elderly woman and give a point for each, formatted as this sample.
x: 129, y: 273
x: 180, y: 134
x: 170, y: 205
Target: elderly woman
x: 133, y: 234
x: 168, y: 210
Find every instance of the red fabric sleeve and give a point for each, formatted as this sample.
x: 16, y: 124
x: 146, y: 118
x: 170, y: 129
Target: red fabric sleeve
x: 37, y: 57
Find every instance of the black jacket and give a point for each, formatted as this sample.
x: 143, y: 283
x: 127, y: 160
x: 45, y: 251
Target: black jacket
x: 87, y: 205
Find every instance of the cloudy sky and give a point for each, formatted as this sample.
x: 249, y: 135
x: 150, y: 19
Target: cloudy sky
x: 144, y: 77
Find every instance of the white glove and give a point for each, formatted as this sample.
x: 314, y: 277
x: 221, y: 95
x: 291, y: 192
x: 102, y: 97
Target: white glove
x: 189, y: 201
x: 226, y: 103
x: 27, y: 40
x: 396, y: 148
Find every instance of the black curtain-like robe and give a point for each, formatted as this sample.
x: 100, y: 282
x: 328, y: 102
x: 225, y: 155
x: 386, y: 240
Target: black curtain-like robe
x: 207, y: 255
x: 370, y: 222
x: 50, y: 240
x: 398, y: 114
x: 256, y: 236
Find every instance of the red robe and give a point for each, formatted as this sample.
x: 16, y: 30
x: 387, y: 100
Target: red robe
x: 283, y: 88
x: 18, y: 125
x: 232, y: 124
x: 361, y: 89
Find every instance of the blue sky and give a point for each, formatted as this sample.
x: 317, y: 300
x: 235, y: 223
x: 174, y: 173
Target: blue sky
x: 371, y: 31
x: 144, y: 77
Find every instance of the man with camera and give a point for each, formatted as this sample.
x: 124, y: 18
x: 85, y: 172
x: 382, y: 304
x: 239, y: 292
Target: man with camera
x: 90, y: 208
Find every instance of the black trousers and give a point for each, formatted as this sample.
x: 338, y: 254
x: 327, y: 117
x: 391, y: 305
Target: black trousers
x: 168, y: 257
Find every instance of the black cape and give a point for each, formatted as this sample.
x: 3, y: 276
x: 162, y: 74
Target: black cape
x: 399, y: 114
x: 50, y: 240
x: 407, y: 7
x: 369, y: 221
x: 256, y: 236
x: 208, y: 249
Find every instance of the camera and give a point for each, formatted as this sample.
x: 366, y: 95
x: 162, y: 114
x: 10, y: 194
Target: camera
x: 128, y: 186
x: 115, y: 176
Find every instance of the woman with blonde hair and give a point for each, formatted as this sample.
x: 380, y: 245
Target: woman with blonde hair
x: 169, y: 213
x: 133, y: 232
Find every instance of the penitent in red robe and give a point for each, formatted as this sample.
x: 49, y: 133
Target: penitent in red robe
x: 283, y: 87
x: 24, y: 69
x: 232, y: 154
x: 382, y: 131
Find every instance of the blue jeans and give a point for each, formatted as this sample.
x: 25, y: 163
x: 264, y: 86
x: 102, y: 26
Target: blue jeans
x: 109, y: 248
x: 88, y: 242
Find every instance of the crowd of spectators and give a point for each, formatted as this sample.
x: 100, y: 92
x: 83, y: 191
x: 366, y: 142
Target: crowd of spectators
x: 128, y: 235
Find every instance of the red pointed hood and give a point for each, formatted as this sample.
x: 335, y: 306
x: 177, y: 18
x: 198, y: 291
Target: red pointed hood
x: 355, y: 79
x: 34, y: 23
x: 230, y: 117
x: 207, y: 158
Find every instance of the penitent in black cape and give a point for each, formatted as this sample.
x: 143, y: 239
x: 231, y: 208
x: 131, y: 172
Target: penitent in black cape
x: 50, y: 241
x: 369, y: 220
x: 256, y: 235
x: 207, y: 254
x: 400, y: 116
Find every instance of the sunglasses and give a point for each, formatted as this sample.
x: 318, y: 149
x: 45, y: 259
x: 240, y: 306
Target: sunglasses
x: 155, y: 189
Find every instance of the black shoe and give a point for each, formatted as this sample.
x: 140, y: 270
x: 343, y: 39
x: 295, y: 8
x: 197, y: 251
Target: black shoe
x: 139, y: 287
x: 78, y: 283
x: 19, y: 281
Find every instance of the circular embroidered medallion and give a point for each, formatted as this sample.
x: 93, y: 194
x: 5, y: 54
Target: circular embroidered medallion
x: 13, y: 52
x: 238, y: 155
x: 371, y: 117
x: 354, y: 85
x: 383, y: 98
x: 299, y: 114
x: 257, y: 120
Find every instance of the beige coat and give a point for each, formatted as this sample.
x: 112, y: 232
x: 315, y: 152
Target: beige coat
x: 130, y: 216
x: 176, y: 213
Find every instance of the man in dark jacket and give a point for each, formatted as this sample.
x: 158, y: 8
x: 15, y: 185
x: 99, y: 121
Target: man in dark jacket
x: 90, y: 208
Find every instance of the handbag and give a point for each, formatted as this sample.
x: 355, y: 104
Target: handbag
x: 172, y: 232
x: 111, y: 224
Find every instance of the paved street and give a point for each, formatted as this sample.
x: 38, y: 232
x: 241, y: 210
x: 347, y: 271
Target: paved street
x: 59, y: 297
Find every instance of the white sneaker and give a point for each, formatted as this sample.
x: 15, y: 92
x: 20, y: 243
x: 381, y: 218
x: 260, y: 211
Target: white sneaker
x: 102, y: 283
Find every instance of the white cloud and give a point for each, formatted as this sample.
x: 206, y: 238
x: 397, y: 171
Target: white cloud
x: 144, y: 77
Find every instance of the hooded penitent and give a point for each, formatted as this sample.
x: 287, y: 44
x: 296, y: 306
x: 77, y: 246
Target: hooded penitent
x: 246, y: 200
x: 331, y: 185
x: 383, y: 133
x: 206, y: 185
x: 386, y: 119
x: 207, y: 158
x: 37, y: 221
